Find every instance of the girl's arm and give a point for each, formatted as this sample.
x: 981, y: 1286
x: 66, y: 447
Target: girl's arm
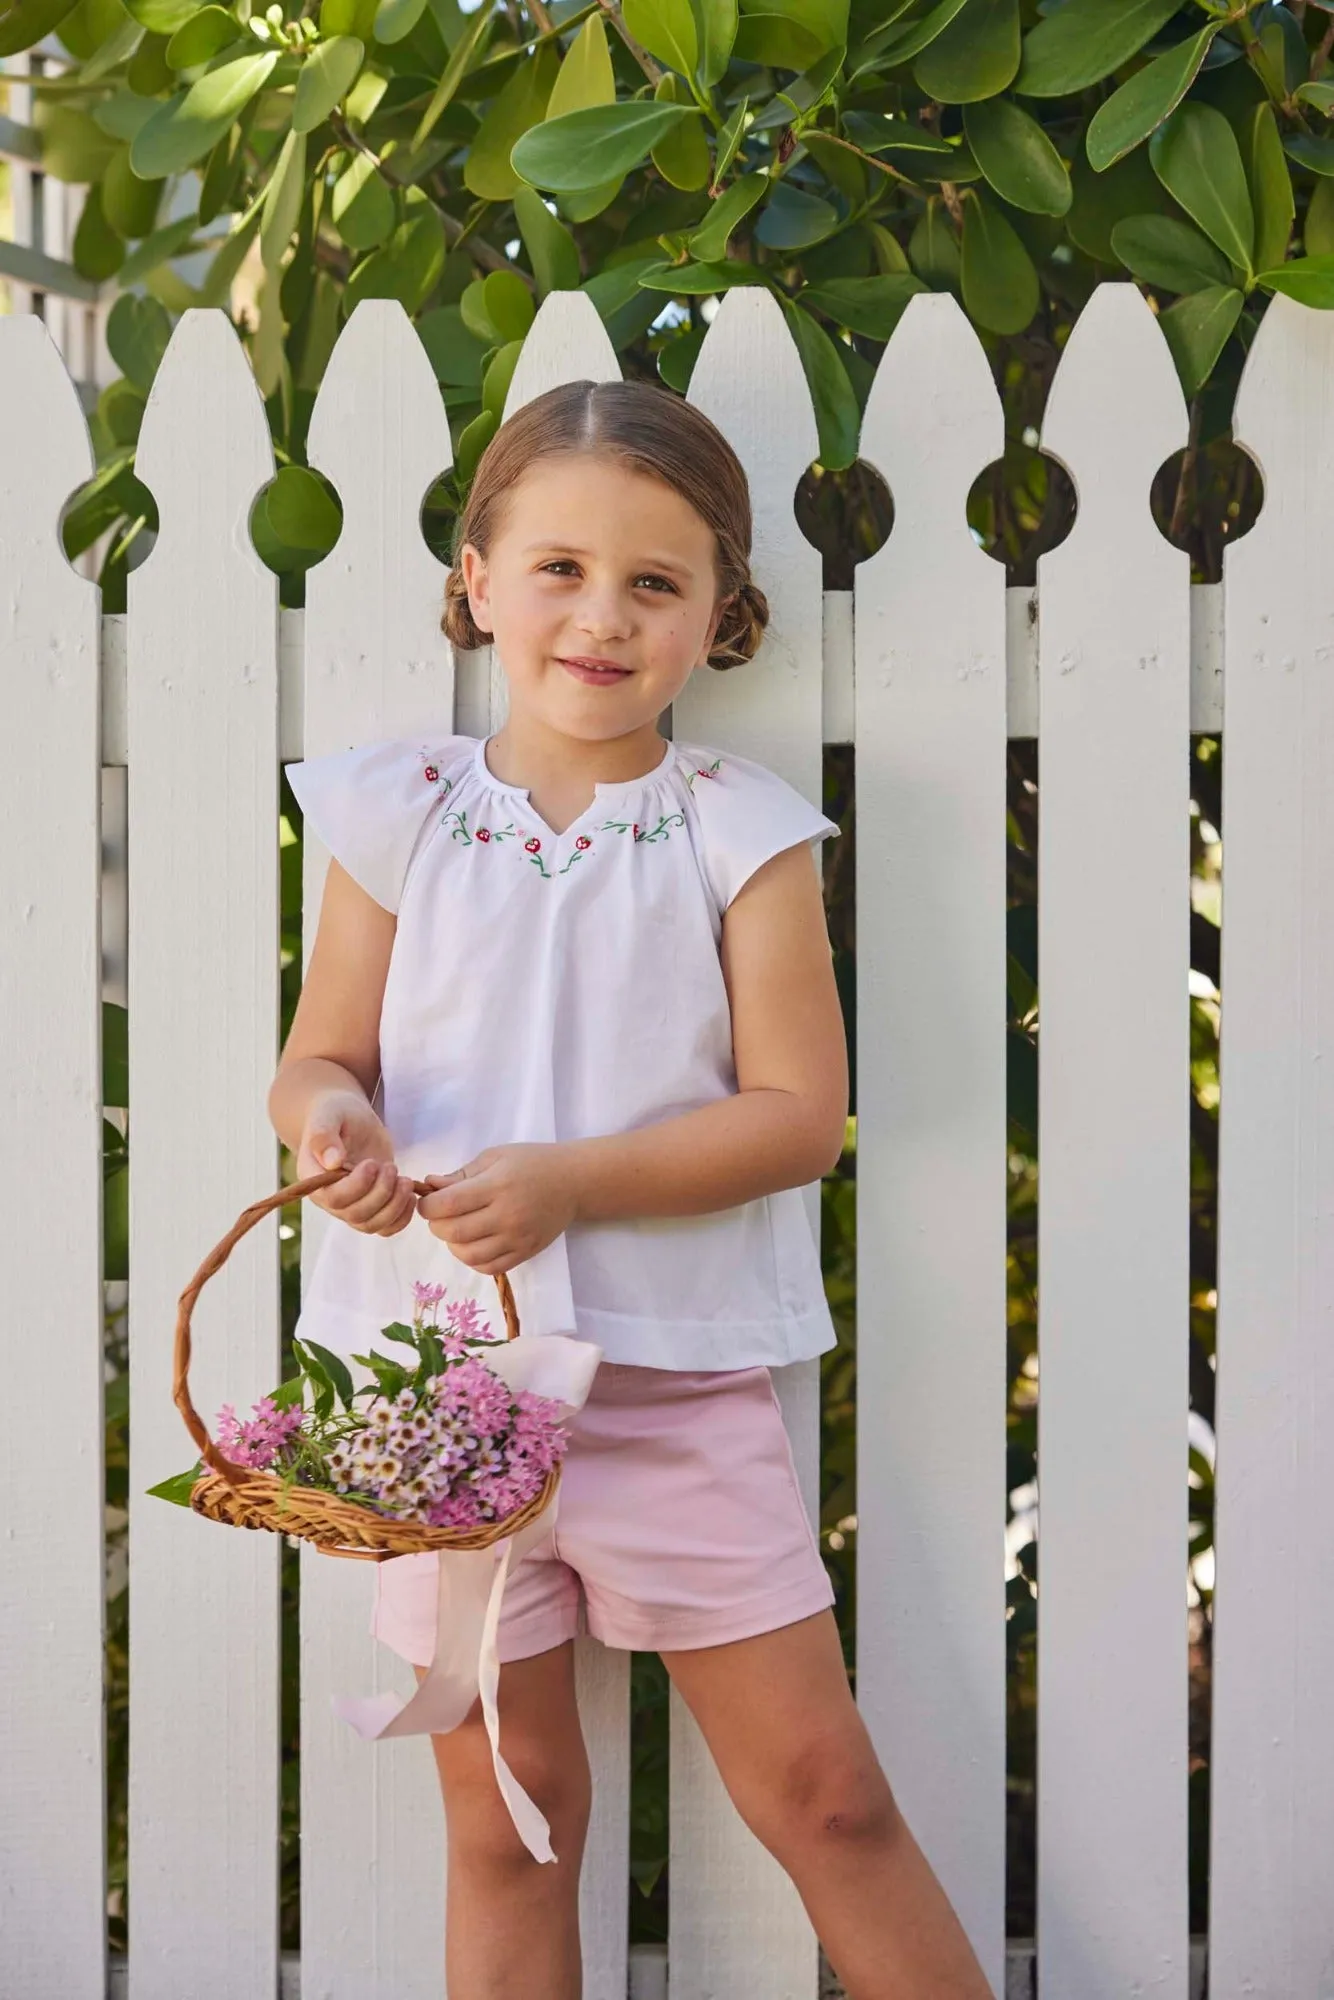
x: 334, y: 1042
x: 787, y: 1123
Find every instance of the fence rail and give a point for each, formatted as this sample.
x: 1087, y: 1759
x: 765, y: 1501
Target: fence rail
x: 204, y: 688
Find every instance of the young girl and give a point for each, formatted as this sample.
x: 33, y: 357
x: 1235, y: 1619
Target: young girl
x: 584, y: 974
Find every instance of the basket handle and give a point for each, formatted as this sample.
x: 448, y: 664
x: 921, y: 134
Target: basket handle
x: 227, y: 1468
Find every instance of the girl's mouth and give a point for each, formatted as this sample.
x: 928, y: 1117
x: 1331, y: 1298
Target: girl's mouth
x: 596, y: 673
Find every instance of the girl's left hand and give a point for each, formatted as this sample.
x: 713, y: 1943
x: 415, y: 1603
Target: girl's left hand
x: 503, y: 1206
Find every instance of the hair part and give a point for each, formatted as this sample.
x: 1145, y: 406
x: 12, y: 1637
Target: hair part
x: 653, y: 431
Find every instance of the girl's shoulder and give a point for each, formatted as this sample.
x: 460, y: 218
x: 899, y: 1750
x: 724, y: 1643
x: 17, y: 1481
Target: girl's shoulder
x: 370, y: 805
x: 745, y: 812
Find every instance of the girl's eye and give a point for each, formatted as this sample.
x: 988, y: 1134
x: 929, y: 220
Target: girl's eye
x: 567, y: 563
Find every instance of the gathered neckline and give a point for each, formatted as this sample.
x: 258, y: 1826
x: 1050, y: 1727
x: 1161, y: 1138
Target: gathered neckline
x: 602, y: 789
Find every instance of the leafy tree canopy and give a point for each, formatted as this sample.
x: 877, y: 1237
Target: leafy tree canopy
x: 652, y: 153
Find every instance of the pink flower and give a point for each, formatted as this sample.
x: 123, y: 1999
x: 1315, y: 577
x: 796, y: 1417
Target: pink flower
x: 259, y: 1440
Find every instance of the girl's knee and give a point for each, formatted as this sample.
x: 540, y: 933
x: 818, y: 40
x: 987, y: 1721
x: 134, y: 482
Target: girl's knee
x: 481, y: 1832
x: 822, y: 1796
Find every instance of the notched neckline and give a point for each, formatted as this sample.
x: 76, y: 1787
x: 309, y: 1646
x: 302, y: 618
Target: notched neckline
x: 602, y: 791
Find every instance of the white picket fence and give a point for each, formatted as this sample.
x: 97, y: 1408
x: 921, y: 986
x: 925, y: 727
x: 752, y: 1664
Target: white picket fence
x: 200, y: 693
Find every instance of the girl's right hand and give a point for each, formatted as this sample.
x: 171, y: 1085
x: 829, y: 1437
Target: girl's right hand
x: 374, y: 1197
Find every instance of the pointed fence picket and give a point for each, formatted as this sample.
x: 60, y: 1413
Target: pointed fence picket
x: 1114, y: 960
x: 204, y: 688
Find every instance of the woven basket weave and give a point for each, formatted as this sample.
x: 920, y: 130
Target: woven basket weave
x: 244, y: 1496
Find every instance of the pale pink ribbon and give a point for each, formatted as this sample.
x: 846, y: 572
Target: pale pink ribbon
x: 469, y: 1593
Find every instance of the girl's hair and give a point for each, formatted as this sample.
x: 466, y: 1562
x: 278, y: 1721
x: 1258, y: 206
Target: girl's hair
x: 652, y: 430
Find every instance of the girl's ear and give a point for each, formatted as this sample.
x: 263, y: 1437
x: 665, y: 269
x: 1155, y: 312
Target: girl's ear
x: 712, y: 633
x: 472, y: 567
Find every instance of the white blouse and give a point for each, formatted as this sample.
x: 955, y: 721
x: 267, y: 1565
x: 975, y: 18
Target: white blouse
x: 557, y: 986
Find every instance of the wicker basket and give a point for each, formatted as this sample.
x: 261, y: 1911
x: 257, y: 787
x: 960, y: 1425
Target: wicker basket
x: 244, y: 1496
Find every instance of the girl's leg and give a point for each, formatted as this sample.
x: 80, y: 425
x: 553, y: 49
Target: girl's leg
x: 512, y: 1923
x: 791, y: 1748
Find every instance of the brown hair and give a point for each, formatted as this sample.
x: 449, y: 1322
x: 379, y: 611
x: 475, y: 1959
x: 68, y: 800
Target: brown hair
x: 657, y: 433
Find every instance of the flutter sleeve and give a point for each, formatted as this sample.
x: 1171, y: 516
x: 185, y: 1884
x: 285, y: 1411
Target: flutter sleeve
x: 747, y: 814
x: 369, y: 806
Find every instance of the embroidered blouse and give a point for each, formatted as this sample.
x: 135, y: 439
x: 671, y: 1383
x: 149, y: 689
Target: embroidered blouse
x: 555, y: 986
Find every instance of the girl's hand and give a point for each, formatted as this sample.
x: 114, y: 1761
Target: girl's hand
x: 503, y: 1206
x: 374, y: 1198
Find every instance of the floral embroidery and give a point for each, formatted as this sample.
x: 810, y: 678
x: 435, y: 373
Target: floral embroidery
x: 700, y: 772
x: 483, y: 833
x: 431, y: 773
x: 660, y: 832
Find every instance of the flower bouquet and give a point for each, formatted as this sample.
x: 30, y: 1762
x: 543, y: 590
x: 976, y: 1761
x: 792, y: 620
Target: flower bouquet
x: 448, y: 1443
x: 459, y: 1456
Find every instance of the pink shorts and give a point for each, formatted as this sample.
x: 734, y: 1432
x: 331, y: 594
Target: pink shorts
x: 679, y: 1524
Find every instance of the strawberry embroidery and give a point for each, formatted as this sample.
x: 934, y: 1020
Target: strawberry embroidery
x: 640, y: 833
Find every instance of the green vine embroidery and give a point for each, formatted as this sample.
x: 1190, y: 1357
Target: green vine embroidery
x: 700, y: 772
x: 484, y: 834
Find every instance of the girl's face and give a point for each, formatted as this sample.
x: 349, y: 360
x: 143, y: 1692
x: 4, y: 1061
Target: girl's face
x: 593, y: 562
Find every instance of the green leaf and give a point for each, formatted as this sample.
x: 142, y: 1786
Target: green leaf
x: 709, y: 242
x: 348, y: 17
x: 666, y: 28
x: 361, y: 205
x: 295, y: 522
x: 202, y: 37
x: 217, y: 285
x: 791, y: 219
x: 838, y: 420
x: 190, y: 124
x: 130, y: 204
x: 1100, y: 201
x: 1196, y: 329
x: 1139, y: 107
x: 333, y: 1364
x: 1196, y: 157
x: 873, y: 306
x: 124, y: 113
x: 777, y: 40
x: 1318, y: 228
x: 918, y: 35
x: 1084, y: 41
x: 121, y: 407
x: 1169, y: 254
x: 1315, y: 154
x: 1270, y: 185
x: 162, y: 17
x: 282, y: 200
x: 406, y: 269
x: 455, y: 353
x: 682, y: 155
x: 327, y: 74
x: 584, y: 148
x: 97, y: 249
x: 1319, y: 94
x: 716, y: 21
x: 489, y: 169
x: 1309, y: 280
x: 552, y: 250
x: 498, y: 376
x: 697, y: 279
x: 508, y: 303
x: 179, y: 1487
x: 114, y: 50
x: 586, y: 76
x: 396, y: 19
x: 137, y: 333
x: 158, y: 248
x: 24, y: 23
x: 729, y: 138
x: 464, y: 53
x: 976, y: 55
x: 676, y: 361
x: 933, y: 248
x: 1017, y: 157
x: 319, y: 1380
x: 73, y: 147
x: 473, y: 441
x: 1000, y: 285
x: 289, y: 1394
